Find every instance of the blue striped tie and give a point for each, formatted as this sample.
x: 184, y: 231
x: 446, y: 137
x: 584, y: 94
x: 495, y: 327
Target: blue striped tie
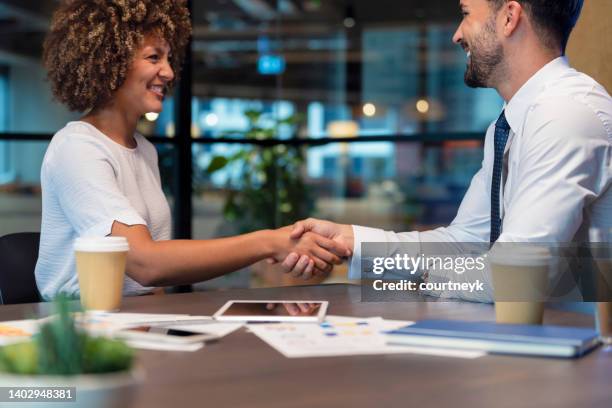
x: 502, y: 129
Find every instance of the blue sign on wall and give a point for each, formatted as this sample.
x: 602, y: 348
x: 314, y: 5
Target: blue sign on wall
x: 271, y: 64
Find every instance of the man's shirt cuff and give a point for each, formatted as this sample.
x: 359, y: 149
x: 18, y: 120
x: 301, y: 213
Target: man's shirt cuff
x: 362, y: 234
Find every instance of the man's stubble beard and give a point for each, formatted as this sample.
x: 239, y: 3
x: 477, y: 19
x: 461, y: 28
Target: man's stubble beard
x: 486, y: 60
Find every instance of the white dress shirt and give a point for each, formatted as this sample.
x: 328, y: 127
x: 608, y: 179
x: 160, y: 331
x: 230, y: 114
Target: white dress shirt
x: 557, y: 179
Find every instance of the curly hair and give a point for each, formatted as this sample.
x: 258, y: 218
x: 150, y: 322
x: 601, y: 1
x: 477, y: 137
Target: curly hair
x: 91, y: 45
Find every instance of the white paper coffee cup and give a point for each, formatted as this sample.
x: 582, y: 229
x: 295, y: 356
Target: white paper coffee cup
x: 100, y: 263
x: 520, y: 275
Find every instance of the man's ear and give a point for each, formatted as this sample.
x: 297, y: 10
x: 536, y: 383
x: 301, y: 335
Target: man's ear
x: 511, y: 13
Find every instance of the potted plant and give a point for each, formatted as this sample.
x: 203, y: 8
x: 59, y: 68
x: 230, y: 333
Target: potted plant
x: 62, y: 355
x: 266, y: 187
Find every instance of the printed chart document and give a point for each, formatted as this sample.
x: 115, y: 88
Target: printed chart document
x: 342, y: 336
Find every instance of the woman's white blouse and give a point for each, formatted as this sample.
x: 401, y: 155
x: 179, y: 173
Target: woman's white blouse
x: 88, y: 182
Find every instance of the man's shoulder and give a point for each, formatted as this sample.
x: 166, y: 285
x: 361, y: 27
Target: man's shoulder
x: 575, y: 100
x: 574, y: 88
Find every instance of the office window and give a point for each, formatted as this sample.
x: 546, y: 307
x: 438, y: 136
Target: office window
x: 20, y: 201
x: 347, y: 182
x: 357, y: 110
x: 5, y: 170
x: 386, y: 74
x: 4, y: 96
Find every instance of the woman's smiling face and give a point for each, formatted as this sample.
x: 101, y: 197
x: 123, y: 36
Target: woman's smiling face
x: 147, y: 80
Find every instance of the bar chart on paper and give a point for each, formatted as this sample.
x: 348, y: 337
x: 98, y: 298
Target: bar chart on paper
x: 339, y: 336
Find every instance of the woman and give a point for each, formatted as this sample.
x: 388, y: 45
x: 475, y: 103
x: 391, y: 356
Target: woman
x: 115, y: 60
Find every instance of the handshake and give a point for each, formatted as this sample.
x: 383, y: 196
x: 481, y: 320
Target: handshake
x: 312, y: 247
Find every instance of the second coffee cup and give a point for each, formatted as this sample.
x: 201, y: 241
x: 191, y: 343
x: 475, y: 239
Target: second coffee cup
x: 520, y: 282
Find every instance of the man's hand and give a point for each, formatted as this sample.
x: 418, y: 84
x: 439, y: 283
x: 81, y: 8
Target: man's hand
x: 315, y: 254
x: 340, y: 233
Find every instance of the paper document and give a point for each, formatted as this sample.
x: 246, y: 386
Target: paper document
x: 108, y: 323
x: 146, y: 345
x: 214, y: 327
x: 341, y: 336
x: 103, y: 323
x: 17, y: 331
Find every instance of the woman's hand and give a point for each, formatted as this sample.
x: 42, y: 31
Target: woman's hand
x: 317, y: 254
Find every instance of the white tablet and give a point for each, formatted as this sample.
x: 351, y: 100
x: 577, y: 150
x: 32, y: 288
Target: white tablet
x: 273, y: 311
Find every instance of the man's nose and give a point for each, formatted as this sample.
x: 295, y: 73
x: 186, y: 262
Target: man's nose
x: 457, y: 37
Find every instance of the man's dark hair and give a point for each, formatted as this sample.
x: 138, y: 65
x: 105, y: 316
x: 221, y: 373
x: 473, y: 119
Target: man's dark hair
x: 553, y: 20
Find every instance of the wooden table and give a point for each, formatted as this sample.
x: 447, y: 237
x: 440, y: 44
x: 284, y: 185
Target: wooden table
x: 242, y: 371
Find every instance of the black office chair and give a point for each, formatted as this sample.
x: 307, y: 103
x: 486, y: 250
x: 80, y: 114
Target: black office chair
x: 18, y: 256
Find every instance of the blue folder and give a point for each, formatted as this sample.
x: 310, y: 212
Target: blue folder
x: 550, y: 341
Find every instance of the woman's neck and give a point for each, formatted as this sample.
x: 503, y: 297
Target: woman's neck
x: 114, y: 123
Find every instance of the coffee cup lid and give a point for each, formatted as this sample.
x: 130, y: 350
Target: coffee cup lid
x: 101, y: 244
x: 519, y: 254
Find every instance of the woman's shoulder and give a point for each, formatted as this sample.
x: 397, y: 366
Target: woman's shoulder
x: 73, y: 141
x: 75, y: 132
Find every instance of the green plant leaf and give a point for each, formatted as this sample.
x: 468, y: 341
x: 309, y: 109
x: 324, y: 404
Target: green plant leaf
x: 253, y: 115
x: 217, y: 163
x: 60, y: 348
x: 19, y: 358
x: 106, y: 356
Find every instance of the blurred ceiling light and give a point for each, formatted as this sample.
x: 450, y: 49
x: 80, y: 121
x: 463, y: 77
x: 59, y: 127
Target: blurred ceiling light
x: 195, y: 130
x: 170, y: 129
x: 349, y: 16
x: 343, y: 128
x: 369, y: 109
x: 151, y: 116
x: 422, y: 106
x: 349, y: 22
x: 211, y: 119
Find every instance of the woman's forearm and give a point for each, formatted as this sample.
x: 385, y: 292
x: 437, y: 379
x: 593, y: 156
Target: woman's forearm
x: 175, y: 262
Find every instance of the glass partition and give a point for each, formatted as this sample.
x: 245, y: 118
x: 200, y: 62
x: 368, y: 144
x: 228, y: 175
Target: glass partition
x: 20, y: 198
x: 283, y: 95
x: 384, y: 76
x: 395, y: 186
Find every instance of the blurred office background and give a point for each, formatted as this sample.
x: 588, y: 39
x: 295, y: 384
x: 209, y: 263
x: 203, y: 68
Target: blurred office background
x: 348, y: 110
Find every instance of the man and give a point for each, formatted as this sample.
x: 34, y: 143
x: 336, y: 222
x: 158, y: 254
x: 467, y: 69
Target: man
x: 546, y: 172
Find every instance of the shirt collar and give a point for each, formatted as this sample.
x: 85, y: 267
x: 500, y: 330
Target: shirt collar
x: 517, y: 107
